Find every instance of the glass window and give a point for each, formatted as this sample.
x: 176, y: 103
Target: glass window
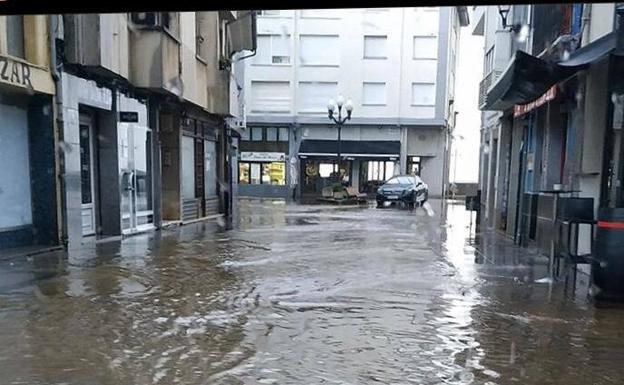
x: 277, y: 173
x: 393, y: 181
x: 271, y: 133
x: 85, y: 164
x: 283, y: 134
x: 188, y: 167
x: 245, y: 134
x: 256, y: 134
x: 319, y: 50
x: 266, y: 173
x: 389, y: 171
x: 273, y: 49
x: 243, y: 173
x: 15, y: 35
x: 375, y: 47
x: 325, y: 169
x: 255, y: 173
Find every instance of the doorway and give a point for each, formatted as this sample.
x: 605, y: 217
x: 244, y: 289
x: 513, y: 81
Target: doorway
x: 87, y: 179
x: 135, y: 168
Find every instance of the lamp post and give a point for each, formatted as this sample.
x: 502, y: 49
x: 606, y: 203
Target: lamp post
x: 332, y: 106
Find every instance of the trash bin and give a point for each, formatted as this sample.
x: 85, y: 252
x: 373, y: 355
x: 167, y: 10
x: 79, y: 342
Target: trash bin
x: 608, y: 261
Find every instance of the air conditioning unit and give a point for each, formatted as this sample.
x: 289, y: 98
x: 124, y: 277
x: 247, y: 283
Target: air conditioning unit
x: 145, y: 18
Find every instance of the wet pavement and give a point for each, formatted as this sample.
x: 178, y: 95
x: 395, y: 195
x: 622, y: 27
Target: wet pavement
x: 304, y: 294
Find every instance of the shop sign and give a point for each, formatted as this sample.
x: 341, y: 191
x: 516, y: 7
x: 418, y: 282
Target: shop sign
x: 15, y: 72
x: 128, y: 116
x: 263, y: 156
x: 521, y: 109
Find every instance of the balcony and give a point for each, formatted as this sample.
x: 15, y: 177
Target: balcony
x: 98, y: 43
x: 155, y: 62
x: 485, y: 85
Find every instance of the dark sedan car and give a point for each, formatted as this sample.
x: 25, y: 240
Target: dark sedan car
x: 408, y: 189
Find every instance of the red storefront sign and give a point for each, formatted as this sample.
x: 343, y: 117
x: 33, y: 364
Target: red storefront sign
x: 521, y: 109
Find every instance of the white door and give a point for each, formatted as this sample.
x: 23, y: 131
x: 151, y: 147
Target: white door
x: 135, y: 168
x: 87, y: 183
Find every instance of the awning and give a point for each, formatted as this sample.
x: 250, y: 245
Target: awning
x: 591, y: 53
x: 351, y: 148
x: 525, y: 79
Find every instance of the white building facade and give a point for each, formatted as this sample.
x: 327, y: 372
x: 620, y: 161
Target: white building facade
x: 397, y: 65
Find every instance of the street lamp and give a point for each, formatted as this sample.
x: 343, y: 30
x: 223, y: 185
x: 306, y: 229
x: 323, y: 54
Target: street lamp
x: 332, y: 106
x: 503, y: 10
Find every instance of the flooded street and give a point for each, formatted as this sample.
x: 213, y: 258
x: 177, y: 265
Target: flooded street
x: 299, y: 294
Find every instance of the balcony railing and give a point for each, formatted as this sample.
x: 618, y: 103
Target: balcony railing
x: 485, y: 85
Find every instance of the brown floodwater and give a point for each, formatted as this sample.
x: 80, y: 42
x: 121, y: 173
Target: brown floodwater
x: 304, y: 294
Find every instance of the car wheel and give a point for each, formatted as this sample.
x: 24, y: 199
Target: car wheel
x: 380, y: 204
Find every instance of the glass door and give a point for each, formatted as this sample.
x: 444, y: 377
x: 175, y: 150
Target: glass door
x: 86, y: 175
x: 135, y: 167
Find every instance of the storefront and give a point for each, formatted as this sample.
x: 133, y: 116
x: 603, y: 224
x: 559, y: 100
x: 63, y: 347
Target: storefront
x: 28, y: 206
x: 262, y: 174
x: 365, y: 164
x: 262, y: 166
x: 190, y: 155
x: 109, y: 168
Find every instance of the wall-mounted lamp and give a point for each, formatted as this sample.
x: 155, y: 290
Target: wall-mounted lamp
x: 503, y: 10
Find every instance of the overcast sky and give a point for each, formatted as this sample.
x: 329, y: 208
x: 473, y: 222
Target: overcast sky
x: 465, y: 155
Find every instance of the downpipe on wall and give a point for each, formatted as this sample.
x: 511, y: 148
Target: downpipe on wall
x: 56, y: 69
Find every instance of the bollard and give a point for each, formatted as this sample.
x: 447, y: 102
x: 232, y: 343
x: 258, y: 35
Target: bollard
x: 608, y: 262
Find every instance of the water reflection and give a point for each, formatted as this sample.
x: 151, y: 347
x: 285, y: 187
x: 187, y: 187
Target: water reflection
x: 304, y: 294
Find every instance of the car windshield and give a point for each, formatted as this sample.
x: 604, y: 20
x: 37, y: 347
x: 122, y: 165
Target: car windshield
x: 401, y: 180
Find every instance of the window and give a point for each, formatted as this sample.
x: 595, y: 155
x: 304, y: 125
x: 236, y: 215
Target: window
x: 375, y: 47
x: 489, y: 61
x: 255, y: 176
x: 271, y: 173
x: 273, y: 49
x: 326, y: 169
x: 243, y: 173
x: 256, y: 134
x: 313, y: 96
x: 188, y: 167
x: 425, y: 47
x: 379, y: 170
x: 283, y: 134
x: 423, y: 94
x: 271, y: 134
x: 319, y: 50
x: 270, y: 96
x: 374, y: 94
x: 15, y: 36
x: 413, y: 165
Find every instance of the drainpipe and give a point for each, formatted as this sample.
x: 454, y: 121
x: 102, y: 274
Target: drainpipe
x: 61, y: 198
